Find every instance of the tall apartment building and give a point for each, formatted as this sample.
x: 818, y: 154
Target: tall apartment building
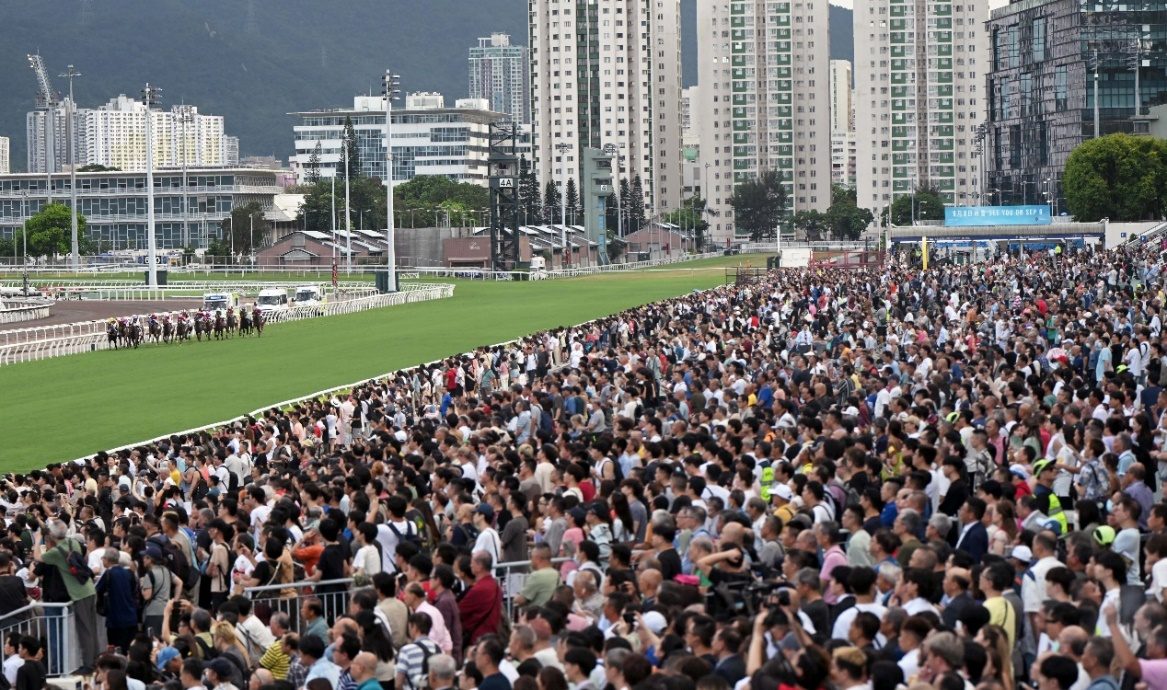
x: 843, y: 145
x: 842, y: 110
x: 1041, y: 81
x: 501, y: 74
x: 114, y: 135
x: 5, y: 156
x: 920, y: 67
x: 764, y: 72
x: 609, y: 72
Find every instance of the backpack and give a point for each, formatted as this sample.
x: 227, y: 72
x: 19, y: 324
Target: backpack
x: 411, y: 536
x: 176, y: 561
x: 419, y: 681
x: 76, y: 565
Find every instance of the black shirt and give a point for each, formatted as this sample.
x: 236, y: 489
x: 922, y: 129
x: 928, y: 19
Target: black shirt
x: 12, y: 594
x: 30, y: 676
x: 670, y: 565
x: 331, y: 567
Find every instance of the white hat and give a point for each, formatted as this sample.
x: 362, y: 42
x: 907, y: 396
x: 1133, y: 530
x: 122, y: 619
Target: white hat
x: 655, y: 621
x: 1022, y: 553
x: 784, y: 492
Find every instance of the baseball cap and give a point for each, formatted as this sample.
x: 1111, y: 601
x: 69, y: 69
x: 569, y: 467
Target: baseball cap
x: 485, y: 510
x: 1042, y: 465
x: 1019, y: 471
x: 165, y: 656
x: 153, y: 551
x: 1104, y: 535
x: 784, y: 492
x: 220, y: 666
x: 1022, y: 553
x: 655, y: 621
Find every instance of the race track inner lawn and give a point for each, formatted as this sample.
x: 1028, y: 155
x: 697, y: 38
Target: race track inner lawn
x: 60, y: 409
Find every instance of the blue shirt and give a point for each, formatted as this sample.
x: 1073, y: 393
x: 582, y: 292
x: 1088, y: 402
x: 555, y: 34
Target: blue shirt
x: 888, y: 517
x: 118, y: 583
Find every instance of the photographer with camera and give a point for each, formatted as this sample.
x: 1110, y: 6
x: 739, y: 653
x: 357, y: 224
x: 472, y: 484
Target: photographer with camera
x: 66, y: 578
x: 780, y: 647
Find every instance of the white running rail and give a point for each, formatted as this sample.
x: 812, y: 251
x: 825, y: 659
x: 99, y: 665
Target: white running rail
x: 44, y: 342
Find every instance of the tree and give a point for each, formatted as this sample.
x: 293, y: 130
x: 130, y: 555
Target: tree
x: 530, y: 201
x: 573, y: 209
x: 925, y: 204
x: 1117, y: 176
x: 50, y: 233
x: 96, y: 167
x: 845, y: 219
x: 422, y: 201
x: 312, y: 174
x: 814, y: 223
x: 551, y: 204
x: 635, y: 207
x: 691, y: 216
x: 352, y: 159
x: 246, y: 222
x: 759, y: 204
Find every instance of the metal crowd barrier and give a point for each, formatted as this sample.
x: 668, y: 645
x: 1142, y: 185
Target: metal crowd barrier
x: 335, y: 603
x: 55, y: 625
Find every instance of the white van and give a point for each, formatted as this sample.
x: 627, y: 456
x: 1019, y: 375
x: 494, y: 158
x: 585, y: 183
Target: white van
x: 272, y: 299
x: 219, y: 301
x: 308, y: 294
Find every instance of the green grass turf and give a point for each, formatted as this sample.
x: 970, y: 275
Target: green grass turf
x: 64, y: 408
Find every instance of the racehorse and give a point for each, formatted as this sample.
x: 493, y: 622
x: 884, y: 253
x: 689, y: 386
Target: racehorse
x: 182, y: 330
x: 244, y: 322
x: 167, y: 329
x: 135, y: 334
x: 112, y: 333
x: 155, y: 330
x: 202, y: 326
x: 232, y: 322
x: 258, y: 321
x: 220, y: 327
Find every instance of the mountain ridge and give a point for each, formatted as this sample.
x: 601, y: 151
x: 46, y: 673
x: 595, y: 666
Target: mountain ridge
x: 254, y: 61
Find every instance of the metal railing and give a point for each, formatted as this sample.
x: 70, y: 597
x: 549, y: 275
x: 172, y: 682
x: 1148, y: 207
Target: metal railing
x: 44, y: 342
x: 287, y: 598
x: 15, y: 312
x: 53, y: 623
x: 512, y: 576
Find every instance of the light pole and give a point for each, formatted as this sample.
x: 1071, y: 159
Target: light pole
x: 24, y: 236
x: 186, y: 116
x: 348, y: 214
x: 70, y: 113
x: 614, y: 152
x: 389, y: 84
x: 563, y: 147
x: 251, y: 242
x: 231, y: 220
x: 150, y: 96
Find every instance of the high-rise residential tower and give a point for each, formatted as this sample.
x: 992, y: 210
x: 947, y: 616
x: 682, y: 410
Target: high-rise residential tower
x: 764, y: 72
x: 609, y: 72
x: 920, y: 69
x: 501, y: 74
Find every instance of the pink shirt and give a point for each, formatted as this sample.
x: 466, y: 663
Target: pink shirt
x: 833, y: 558
x: 1154, y: 672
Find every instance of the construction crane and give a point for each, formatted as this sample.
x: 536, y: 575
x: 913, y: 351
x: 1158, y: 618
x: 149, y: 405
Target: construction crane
x: 48, y: 99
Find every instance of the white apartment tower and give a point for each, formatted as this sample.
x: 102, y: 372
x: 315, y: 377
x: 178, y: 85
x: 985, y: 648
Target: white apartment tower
x: 763, y: 67
x: 501, y: 74
x: 609, y: 72
x: 5, y: 156
x: 842, y: 112
x: 114, y: 135
x: 919, y: 66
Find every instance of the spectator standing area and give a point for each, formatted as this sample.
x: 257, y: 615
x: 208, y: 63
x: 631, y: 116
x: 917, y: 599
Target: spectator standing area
x: 944, y: 478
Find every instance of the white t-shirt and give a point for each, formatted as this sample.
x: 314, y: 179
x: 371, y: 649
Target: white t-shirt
x: 368, y: 560
x: 489, y: 542
x: 1159, y: 580
x: 389, y: 543
x: 11, y: 665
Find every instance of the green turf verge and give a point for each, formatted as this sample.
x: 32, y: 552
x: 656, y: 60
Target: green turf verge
x: 64, y: 408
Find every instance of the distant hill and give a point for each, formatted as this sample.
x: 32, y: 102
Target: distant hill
x: 253, y: 61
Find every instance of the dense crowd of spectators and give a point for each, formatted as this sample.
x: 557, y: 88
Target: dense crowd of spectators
x: 941, y: 479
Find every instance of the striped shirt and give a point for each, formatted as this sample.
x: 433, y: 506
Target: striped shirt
x: 411, y: 661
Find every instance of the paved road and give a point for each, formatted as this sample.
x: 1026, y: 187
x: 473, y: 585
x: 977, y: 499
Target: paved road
x: 73, y: 311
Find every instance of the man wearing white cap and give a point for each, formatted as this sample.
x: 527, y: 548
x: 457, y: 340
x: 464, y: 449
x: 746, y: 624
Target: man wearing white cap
x: 780, y: 498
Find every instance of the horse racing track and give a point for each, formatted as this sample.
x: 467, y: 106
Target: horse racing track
x: 75, y: 337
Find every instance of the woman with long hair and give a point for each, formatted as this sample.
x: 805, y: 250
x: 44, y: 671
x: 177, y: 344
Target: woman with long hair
x: 623, y: 526
x: 1006, y: 535
x: 1000, y: 655
x: 374, y: 641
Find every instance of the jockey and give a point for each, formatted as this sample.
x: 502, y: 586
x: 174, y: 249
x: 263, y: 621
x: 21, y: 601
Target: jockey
x: 153, y: 319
